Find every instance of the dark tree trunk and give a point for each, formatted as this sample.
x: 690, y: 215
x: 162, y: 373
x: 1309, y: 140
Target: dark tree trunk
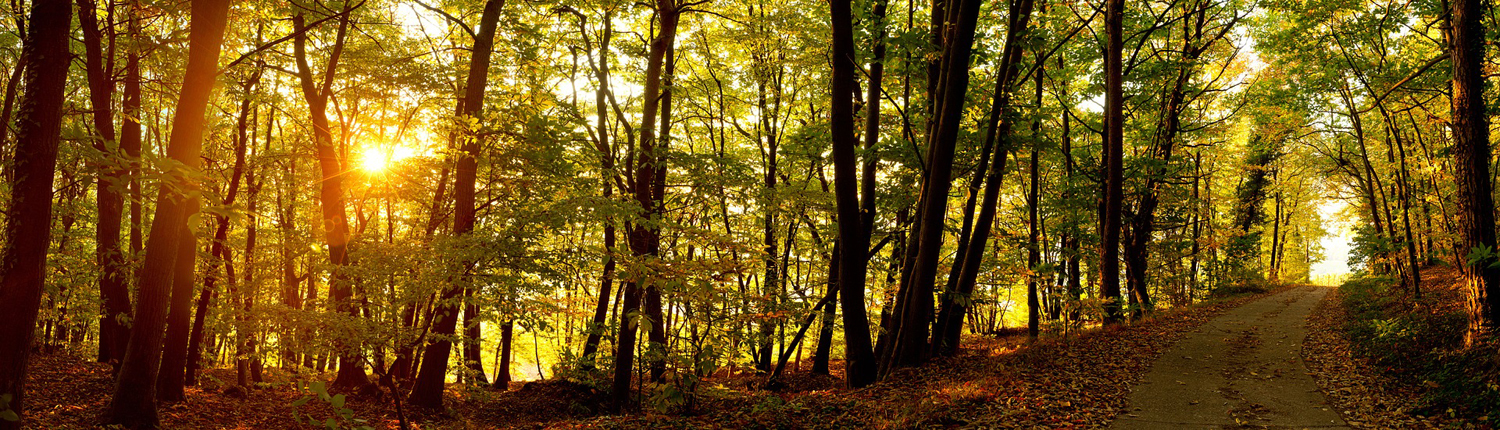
x: 1197, y: 215
x: 130, y: 142
x: 286, y: 219
x: 1403, y: 183
x: 955, y: 303
x: 28, y: 232
x: 1112, y: 159
x: 502, y: 372
x: 169, y: 380
x: 606, y: 175
x: 914, y: 308
x: 134, y: 404
x: 427, y: 391
x: 113, y: 177
x: 219, y: 248
x: 645, y: 238
x: 331, y: 192
x: 652, y: 302
x: 246, y: 359
x: 1034, y: 242
x: 854, y: 239
x: 825, y: 326
x: 1471, y: 160
x: 472, y: 340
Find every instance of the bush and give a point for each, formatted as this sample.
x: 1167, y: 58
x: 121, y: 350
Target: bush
x: 1422, y: 345
x: 1246, y: 287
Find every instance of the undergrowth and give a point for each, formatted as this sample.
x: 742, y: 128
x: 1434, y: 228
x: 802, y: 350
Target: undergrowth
x: 1420, y: 342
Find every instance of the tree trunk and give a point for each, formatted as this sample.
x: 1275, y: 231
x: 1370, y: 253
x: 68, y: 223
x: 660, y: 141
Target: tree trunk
x: 652, y: 303
x: 427, y: 391
x: 606, y: 175
x: 825, y: 326
x: 854, y: 240
x: 502, y: 372
x: 1403, y: 181
x: 914, y: 310
x: 28, y: 232
x: 1112, y: 160
x: 286, y: 219
x: 1033, y: 198
x: 331, y: 192
x: 1197, y: 220
x: 130, y: 142
x: 219, y: 247
x: 949, y: 325
x: 246, y: 358
x: 645, y: 238
x: 113, y: 177
x: 169, y: 380
x: 472, y: 339
x: 1471, y: 159
x: 133, y: 404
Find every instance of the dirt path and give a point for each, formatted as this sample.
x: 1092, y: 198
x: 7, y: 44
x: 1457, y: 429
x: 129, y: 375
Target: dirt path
x: 1242, y: 370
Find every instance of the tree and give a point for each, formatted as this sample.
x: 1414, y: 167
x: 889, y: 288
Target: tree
x: 133, y: 404
x: 113, y: 178
x: 331, y: 191
x: 645, y: 236
x: 913, y: 312
x: 1471, y: 159
x: 854, y: 239
x: 427, y: 390
x: 23, y: 260
x: 998, y: 135
x: 1112, y: 160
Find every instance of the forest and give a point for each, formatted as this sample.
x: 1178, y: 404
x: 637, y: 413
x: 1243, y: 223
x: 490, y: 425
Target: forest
x: 733, y: 213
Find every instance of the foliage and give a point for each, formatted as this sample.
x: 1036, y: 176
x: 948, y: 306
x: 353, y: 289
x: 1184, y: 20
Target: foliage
x: 343, y: 417
x: 1423, y: 342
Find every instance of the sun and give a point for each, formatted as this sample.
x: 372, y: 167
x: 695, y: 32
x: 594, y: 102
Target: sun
x: 374, y: 161
x: 377, y: 159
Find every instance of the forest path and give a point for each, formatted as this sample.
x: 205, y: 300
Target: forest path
x: 1243, y: 369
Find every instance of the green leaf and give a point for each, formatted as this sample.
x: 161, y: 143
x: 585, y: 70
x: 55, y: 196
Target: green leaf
x: 9, y: 415
x: 330, y: 423
x: 301, y: 401
x: 337, y: 401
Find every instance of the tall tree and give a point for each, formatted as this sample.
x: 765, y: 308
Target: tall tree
x: 645, y: 235
x: 998, y: 128
x: 1112, y: 161
x: 219, y: 247
x: 134, y: 403
x: 1471, y: 160
x: 606, y: 177
x: 331, y: 190
x: 427, y: 391
x: 28, y: 232
x: 854, y: 239
x: 914, y: 306
x: 112, y: 180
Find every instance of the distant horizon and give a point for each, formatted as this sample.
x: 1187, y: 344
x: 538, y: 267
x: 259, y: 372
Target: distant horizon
x: 1333, y: 268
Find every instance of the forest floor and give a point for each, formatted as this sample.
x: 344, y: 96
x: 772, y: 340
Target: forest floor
x: 1077, y: 381
x: 1371, y: 394
x: 1081, y: 380
x: 1244, y: 368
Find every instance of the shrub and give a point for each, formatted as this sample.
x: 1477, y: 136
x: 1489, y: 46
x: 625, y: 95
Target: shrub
x: 1422, y: 345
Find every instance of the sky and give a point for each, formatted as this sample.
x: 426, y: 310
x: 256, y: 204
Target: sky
x: 1335, y: 263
